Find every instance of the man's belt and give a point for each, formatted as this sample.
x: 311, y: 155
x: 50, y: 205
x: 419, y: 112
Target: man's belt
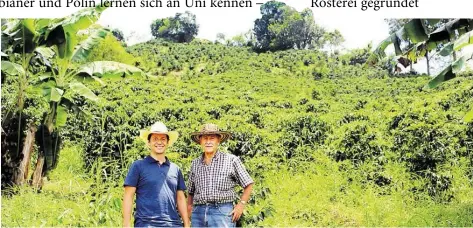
x: 209, y: 203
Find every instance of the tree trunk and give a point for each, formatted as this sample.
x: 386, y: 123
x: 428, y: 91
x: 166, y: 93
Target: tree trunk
x: 38, y: 173
x: 21, y: 174
x: 428, y: 62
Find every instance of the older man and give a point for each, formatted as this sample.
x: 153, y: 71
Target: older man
x: 212, y: 180
x: 158, y: 184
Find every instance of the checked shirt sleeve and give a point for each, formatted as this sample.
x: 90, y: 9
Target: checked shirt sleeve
x: 241, y: 174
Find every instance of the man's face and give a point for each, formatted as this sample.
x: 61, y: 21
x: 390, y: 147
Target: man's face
x: 158, y: 143
x: 210, y: 143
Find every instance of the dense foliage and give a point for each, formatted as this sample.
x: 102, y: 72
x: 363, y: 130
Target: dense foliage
x: 281, y: 27
x: 328, y: 142
x: 181, y: 28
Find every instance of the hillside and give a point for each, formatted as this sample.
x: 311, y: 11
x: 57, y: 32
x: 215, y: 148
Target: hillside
x: 329, y: 142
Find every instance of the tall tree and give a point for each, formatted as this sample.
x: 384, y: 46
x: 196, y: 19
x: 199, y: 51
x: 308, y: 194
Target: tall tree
x: 182, y: 28
x: 282, y: 27
x: 333, y: 39
x: 220, y: 38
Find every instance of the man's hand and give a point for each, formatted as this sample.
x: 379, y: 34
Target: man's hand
x: 189, y: 210
x: 187, y: 224
x: 237, y: 212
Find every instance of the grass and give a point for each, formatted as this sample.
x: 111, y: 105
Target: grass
x: 264, y: 109
x: 69, y: 197
x: 322, y: 196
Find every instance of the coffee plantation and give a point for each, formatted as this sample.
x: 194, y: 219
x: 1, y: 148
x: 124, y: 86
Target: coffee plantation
x: 328, y: 141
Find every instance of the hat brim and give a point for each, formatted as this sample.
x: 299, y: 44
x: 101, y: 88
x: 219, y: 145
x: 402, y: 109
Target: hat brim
x: 224, y: 135
x: 173, y: 135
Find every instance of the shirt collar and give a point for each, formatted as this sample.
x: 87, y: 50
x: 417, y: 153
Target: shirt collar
x: 216, y: 156
x: 152, y: 160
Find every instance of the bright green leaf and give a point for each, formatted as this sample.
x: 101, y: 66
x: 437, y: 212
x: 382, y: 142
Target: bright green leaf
x: 464, y: 40
x: 56, y: 94
x: 12, y: 68
x: 29, y: 24
x: 84, y: 48
x: 109, y: 69
x: 443, y: 76
x: 448, y: 73
x: 45, y: 52
x: 415, y: 31
x: 61, y: 116
x: 98, y: 80
x: 457, y: 66
x: 446, y: 50
x: 45, y: 76
x: 469, y: 116
x: 82, y: 90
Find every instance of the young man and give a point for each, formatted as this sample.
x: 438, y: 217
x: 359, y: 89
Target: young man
x: 212, y: 180
x: 158, y: 184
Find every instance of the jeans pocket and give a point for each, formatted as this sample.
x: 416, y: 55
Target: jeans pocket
x: 225, y: 209
x: 194, y: 208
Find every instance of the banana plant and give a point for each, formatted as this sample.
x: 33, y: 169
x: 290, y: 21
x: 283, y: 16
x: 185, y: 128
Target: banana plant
x: 414, y: 32
x: 57, y: 43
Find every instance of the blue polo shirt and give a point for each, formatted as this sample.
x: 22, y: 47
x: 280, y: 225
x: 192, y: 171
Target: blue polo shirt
x: 156, y: 192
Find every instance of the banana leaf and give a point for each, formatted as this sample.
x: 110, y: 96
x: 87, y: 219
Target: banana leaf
x: 464, y: 40
x: 448, y: 73
x: 446, y: 50
x: 83, y: 50
x: 415, y: 31
x: 63, y: 33
x: 61, y: 116
x: 12, y: 68
x: 82, y: 90
x: 51, y: 92
x: 447, y: 31
x: 22, y: 34
x: 107, y: 69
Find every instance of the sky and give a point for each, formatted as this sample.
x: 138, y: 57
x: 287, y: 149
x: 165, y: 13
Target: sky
x: 358, y: 31
x: 357, y: 26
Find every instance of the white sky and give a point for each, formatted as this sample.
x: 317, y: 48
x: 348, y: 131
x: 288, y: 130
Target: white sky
x: 358, y: 27
x: 358, y: 30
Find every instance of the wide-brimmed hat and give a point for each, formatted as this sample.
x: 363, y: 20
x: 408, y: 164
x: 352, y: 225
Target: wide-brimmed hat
x: 159, y: 128
x: 210, y: 129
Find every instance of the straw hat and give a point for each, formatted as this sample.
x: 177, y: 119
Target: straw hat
x: 159, y: 128
x: 210, y: 129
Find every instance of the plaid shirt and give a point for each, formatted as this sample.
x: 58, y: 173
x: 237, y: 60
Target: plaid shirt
x: 215, y: 183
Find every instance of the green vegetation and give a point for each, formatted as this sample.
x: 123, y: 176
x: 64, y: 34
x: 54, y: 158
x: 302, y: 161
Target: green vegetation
x: 180, y: 28
x: 328, y: 141
x: 281, y: 27
x: 47, y: 58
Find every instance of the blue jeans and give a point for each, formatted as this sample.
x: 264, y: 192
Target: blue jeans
x: 157, y: 223
x: 212, y: 215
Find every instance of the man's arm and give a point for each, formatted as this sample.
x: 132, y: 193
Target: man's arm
x: 238, y: 209
x: 128, y: 204
x: 190, y: 204
x: 181, y: 207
